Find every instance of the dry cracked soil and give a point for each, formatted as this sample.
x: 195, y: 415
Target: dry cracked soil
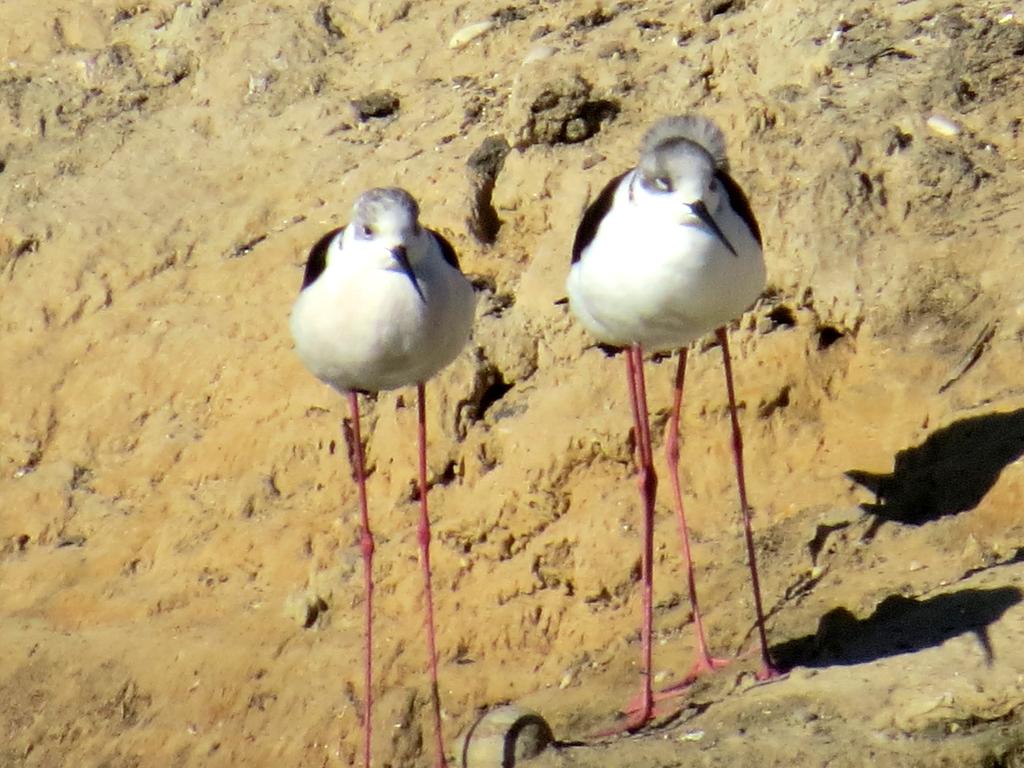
x: 180, y: 573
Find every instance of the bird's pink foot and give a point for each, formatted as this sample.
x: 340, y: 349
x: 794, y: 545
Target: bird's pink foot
x: 708, y: 664
x: 632, y: 722
x: 639, y: 711
x: 704, y: 665
x: 768, y: 672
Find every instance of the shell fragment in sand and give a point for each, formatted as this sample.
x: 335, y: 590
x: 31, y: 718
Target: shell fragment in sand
x: 470, y: 32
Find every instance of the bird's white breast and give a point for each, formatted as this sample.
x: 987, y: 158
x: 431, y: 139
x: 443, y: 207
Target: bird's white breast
x: 359, y: 327
x: 648, y: 279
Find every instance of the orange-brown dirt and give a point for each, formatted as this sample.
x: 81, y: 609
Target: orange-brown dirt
x: 180, y: 576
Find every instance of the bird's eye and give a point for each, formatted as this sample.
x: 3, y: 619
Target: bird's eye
x: 663, y: 184
x: 366, y: 231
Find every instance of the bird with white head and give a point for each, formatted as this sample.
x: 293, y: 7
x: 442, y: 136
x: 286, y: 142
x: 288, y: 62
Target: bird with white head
x: 669, y: 251
x: 384, y: 305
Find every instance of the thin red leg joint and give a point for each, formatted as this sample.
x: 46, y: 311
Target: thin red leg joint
x: 768, y: 670
x: 366, y: 544
x: 647, y: 482
x: 428, y: 591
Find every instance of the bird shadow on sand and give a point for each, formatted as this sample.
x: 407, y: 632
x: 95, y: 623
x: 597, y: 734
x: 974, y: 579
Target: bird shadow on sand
x: 950, y: 472
x: 899, y: 625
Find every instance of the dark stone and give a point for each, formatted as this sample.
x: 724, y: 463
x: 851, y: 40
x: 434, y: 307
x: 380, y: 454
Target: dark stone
x: 563, y: 112
x: 375, y: 105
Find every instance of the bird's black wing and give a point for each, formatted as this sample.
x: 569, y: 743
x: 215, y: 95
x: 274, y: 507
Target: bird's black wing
x: 447, y: 249
x: 317, y: 260
x: 592, y: 217
x: 739, y: 202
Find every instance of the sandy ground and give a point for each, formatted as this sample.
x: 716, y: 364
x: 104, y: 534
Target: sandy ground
x: 180, y: 577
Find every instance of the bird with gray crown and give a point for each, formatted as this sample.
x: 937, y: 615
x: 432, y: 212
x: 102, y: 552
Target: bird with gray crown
x: 384, y: 305
x: 669, y: 251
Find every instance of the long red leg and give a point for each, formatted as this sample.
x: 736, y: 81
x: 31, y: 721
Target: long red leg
x: 359, y: 470
x: 647, y: 483
x: 428, y: 591
x: 704, y: 662
x: 767, y: 669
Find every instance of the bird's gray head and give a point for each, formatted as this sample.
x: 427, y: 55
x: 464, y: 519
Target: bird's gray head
x: 694, y: 128
x: 387, y: 214
x: 388, y: 217
x: 679, y: 160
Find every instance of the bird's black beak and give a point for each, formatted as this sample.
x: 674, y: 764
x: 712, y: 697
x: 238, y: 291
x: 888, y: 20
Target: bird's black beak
x: 402, y: 257
x: 701, y: 212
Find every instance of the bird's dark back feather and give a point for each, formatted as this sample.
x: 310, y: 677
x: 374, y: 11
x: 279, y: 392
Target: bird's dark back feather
x: 317, y: 260
x: 447, y: 249
x: 587, y: 229
x: 739, y: 202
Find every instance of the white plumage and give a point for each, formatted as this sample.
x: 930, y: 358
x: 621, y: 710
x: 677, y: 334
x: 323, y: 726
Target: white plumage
x: 669, y: 251
x: 649, y: 267
x: 366, y: 322
x: 384, y: 305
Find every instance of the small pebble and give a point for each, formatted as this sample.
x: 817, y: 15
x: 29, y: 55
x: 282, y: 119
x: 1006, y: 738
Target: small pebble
x: 539, y: 53
x: 375, y: 105
x: 943, y: 126
x: 471, y: 32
